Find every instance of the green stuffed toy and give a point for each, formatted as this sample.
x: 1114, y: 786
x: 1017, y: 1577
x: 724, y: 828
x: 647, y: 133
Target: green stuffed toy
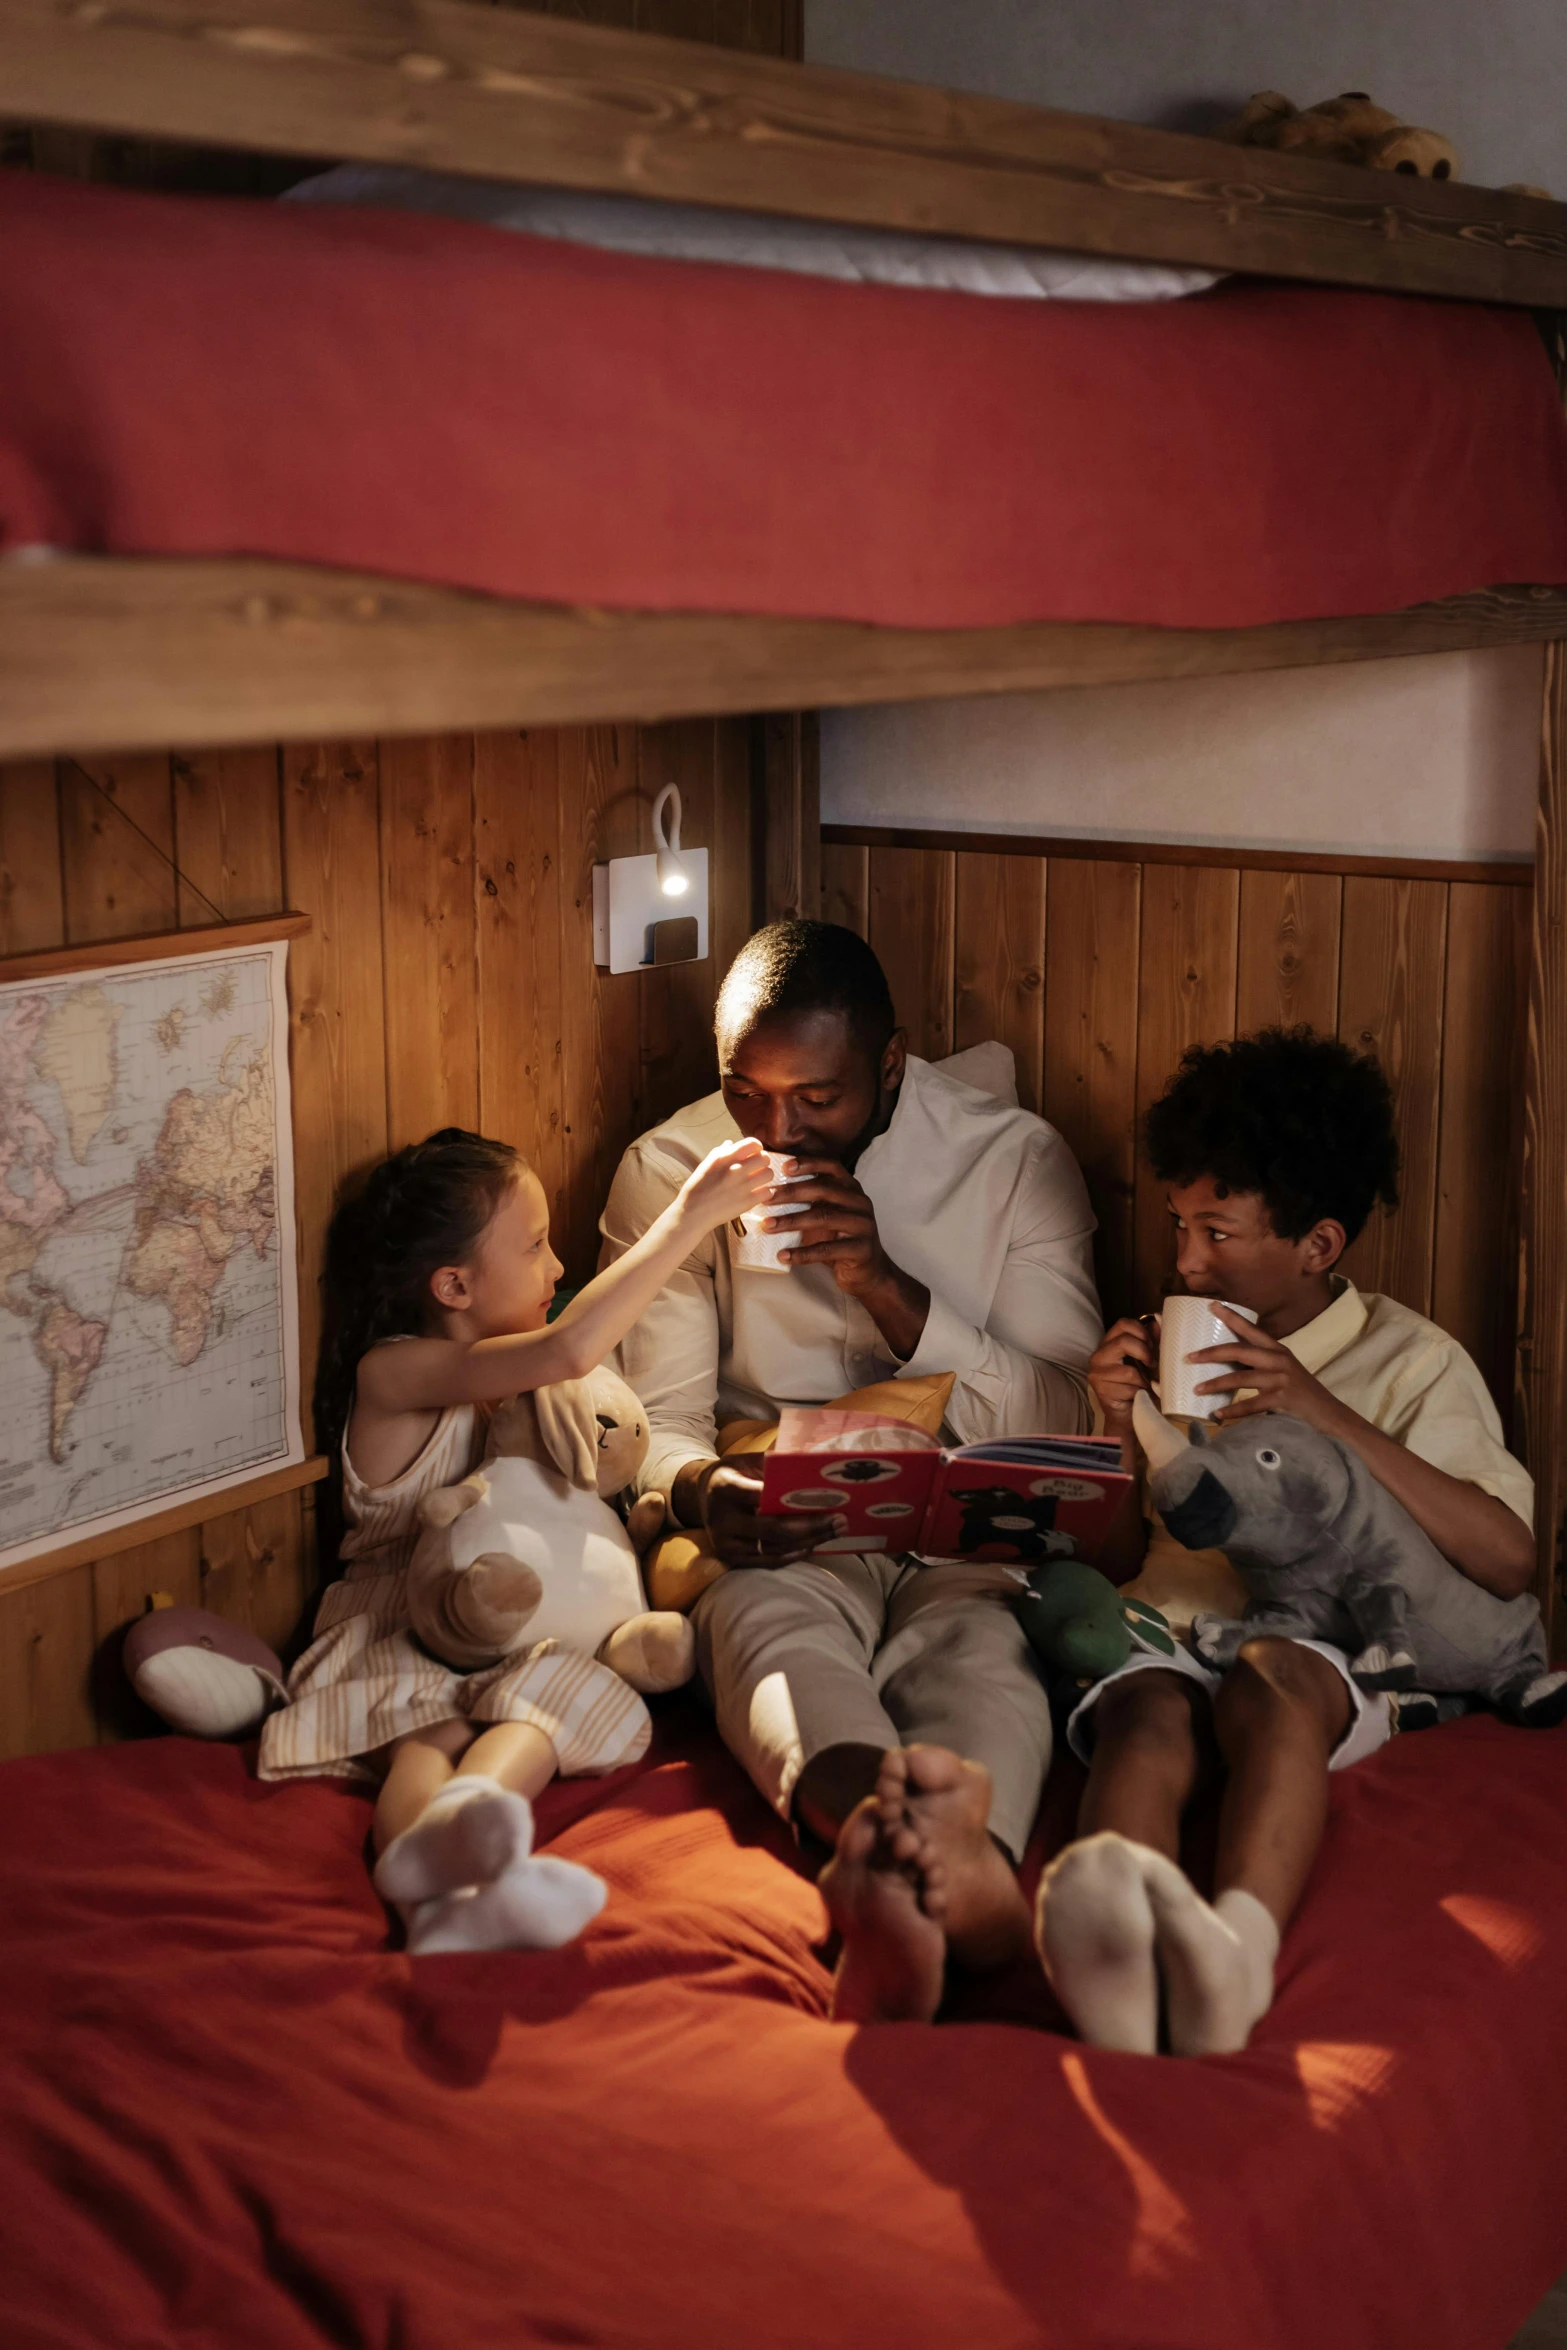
x: 1080, y: 1627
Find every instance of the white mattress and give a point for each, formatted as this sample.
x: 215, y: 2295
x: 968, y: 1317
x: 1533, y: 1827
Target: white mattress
x: 694, y: 232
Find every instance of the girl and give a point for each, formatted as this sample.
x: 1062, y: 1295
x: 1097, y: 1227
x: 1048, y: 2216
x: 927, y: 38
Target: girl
x: 439, y: 1279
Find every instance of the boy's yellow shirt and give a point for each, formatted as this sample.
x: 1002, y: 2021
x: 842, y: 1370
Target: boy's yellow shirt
x: 1407, y: 1378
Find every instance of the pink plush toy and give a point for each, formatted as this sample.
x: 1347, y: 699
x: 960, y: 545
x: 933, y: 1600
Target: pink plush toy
x: 205, y: 1677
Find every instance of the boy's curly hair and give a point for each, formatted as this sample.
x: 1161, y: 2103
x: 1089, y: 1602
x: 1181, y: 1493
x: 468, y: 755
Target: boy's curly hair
x: 1295, y: 1117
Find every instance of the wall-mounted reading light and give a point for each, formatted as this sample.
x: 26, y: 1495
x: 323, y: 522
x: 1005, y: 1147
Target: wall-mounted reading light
x: 651, y: 910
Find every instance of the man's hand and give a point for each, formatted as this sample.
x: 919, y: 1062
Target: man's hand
x: 1282, y: 1384
x: 1121, y: 1370
x: 742, y: 1537
x: 838, y: 1228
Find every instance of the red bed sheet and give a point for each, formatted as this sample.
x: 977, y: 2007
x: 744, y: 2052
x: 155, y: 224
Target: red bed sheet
x: 449, y: 402
x: 233, y: 2116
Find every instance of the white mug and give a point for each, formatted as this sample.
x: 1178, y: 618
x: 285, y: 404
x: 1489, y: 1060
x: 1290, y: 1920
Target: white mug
x: 756, y: 1251
x: 1186, y: 1325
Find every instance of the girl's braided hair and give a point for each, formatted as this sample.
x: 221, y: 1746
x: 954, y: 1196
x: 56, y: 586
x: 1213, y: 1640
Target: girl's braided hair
x: 422, y: 1208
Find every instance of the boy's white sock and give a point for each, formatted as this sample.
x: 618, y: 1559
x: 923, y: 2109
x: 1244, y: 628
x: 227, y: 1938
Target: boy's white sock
x: 468, y: 1834
x: 534, y: 1905
x: 1217, y: 1963
x: 1095, y: 1930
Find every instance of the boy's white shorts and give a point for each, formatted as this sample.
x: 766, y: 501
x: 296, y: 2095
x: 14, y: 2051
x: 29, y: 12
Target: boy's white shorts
x: 1370, y: 1720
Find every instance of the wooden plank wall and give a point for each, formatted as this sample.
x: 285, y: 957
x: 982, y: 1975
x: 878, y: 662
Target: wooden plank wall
x: 447, y: 977
x: 1099, y: 974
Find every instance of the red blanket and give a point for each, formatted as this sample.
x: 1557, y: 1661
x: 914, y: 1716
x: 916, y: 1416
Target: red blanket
x: 449, y: 402
x: 233, y: 2117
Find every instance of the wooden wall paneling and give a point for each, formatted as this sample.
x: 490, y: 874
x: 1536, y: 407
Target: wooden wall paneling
x: 517, y: 892
x: 787, y: 750
x: 117, y: 846
x: 124, y: 1588
x: 1186, y: 987
x: 911, y: 893
x: 256, y: 1568
x: 32, y: 906
x: 1541, y: 1416
x: 46, y: 1651
x: 600, y: 817
x: 428, y: 926
x: 1092, y: 953
x: 228, y: 834
x: 331, y: 851
x: 1287, y: 969
x: 734, y: 911
x: 679, y: 1064
x: 1391, y: 992
x: 846, y: 886
x: 1476, y: 1231
x: 999, y: 961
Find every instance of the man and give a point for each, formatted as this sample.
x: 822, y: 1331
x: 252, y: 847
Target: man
x: 943, y: 1231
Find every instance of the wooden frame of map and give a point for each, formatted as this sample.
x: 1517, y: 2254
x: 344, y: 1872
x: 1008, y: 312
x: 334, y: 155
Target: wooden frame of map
x: 149, y: 1303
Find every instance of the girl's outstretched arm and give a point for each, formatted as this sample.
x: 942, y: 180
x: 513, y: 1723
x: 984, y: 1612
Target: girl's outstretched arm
x: 427, y: 1374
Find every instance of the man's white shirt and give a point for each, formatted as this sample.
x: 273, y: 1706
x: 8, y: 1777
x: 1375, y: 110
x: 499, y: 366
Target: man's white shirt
x: 980, y: 1201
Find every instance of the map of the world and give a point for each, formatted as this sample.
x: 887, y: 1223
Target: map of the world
x: 148, y: 1312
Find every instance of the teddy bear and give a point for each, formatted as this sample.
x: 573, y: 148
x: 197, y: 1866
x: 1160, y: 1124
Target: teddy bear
x: 528, y: 1548
x: 1343, y: 130
x: 1327, y: 1553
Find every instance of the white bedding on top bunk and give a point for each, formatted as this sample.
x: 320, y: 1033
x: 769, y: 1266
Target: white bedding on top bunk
x: 812, y: 248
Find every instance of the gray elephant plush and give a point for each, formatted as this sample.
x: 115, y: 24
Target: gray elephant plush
x: 1327, y: 1553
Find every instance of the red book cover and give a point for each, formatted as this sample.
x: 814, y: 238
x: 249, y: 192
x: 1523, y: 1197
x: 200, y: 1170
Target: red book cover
x: 1018, y: 1499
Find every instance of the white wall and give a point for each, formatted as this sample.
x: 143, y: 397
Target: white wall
x: 1428, y: 757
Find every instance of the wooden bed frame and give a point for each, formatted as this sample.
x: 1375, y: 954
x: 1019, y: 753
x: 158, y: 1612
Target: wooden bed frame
x: 111, y: 655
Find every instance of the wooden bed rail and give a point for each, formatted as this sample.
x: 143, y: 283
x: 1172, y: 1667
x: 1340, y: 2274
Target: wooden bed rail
x: 104, y: 653
x: 516, y: 96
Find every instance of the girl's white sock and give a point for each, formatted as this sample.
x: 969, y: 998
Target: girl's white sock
x: 1217, y: 1963
x: 468, y: 1834
x: 534, y: 1905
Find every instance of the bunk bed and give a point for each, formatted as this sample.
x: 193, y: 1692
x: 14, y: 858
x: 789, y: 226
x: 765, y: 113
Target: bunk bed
x: 233, y: 2113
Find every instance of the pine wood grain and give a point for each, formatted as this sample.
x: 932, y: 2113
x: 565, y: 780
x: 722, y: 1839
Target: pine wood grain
x: 679, y: 1063
x: 734, y: 854
x: 228, y: 833
x: 1391, y: 996
x: 331, y: 852
x: 47, y: 1642
x: 1541, y: 1418
x: 117, y: 846
x: 32, y: 905
x: 1287, y: 971
x: 600, y: 817
x: 518, y: 892
x: 1478, y: 1145
x: 846, y: 886
x: 104, y: 652
x: 528, y: 97
x: 153, y: 947
x: 1190, y: 928
x: 789, y: 781
x: 1093, y: 947
x: 428, y: 934
x: 911, y: 917
x: 255, y: 1567
x: 999, y: 962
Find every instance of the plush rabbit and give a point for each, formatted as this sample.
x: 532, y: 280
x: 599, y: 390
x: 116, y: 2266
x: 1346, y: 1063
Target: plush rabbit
x: 1327, y: 1553
x: 527, y: 1548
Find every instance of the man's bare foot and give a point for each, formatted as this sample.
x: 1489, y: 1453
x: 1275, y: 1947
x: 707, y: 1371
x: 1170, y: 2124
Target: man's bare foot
x: 931, y: 1800
x: 890, y: 1915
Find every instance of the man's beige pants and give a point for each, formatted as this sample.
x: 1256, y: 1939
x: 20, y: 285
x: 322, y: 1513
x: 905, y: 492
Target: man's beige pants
x: 876, y: 1652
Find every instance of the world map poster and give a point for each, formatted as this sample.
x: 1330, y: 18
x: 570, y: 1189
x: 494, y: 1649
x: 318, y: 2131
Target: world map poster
x: 149, y: 1344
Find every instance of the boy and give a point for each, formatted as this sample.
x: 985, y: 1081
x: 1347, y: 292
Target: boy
x: 1275, y: 1149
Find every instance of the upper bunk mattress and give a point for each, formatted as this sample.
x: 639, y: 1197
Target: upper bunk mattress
x: 447, y: 402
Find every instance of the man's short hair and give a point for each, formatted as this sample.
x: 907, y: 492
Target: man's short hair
x: 1298, y: 1118
x: 805, y: 967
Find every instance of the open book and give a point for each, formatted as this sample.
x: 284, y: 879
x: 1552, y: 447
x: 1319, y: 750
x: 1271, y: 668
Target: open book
x: 1022, y: 1499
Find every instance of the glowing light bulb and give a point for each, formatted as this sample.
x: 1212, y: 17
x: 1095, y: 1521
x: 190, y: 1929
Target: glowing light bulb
x: 673, y: 879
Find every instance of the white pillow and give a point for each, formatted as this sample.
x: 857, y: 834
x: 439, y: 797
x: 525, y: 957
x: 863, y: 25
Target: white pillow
x: 811, y: 248
x: 990, y: 1068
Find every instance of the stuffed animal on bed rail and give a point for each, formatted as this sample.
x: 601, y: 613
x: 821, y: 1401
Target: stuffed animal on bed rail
x: 1327, y: 1553
x: 1343, y: 130
x: 527, y: 1548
